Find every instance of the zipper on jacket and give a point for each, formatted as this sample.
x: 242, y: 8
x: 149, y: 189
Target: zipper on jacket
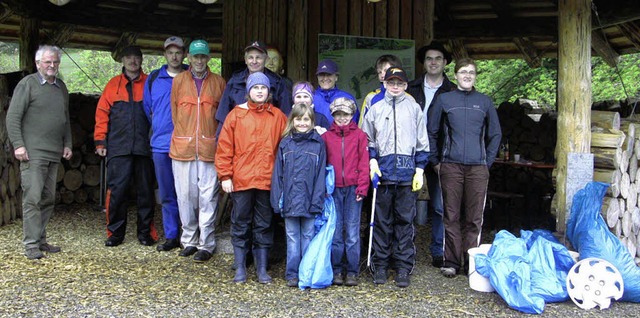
x: 198, y: 120
x: 343, y: 180
x: 395, y: 138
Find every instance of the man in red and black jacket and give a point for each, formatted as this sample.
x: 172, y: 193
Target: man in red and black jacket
x: 122, y: 136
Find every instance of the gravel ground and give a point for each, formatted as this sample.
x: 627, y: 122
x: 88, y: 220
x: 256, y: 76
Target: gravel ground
x: 90, y: 280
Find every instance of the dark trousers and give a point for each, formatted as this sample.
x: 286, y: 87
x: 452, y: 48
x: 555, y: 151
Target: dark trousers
x: 120, y: 170
x: 251, y: 219
x: 393, y: 229
x: 462, y: 185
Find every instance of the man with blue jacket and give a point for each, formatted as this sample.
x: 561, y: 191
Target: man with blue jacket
x: 235, y: 93
x: 157, y: 106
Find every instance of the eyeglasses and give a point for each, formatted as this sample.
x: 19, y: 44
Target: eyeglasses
x: 50, y: 62
x: 396, y: 84
x: 472, y: 73
x: 437, y: 58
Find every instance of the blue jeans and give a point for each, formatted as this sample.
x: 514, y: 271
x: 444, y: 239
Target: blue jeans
x: 299, y: 231
x: 167, y: 189
x: 436, y: 211
x: 346, y: 238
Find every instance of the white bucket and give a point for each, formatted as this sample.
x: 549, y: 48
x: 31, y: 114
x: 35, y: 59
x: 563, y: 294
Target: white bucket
x: 477, y: 281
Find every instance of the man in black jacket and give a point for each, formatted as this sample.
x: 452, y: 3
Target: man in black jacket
x: 425, y: 89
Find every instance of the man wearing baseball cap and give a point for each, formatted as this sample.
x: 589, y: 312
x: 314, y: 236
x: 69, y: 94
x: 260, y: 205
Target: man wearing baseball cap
x: 255, y: 57
x: 327, y: 74
x: 398, y: 151
x: 157, y: 106
x: 195, y: 96
x: 121, y: 135
x: 425, y: 90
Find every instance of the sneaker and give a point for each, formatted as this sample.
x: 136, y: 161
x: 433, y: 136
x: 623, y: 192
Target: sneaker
x: 437, y: 261
x: 337, y: 279
x: 402, y: 279
x: 380, y: 277
x: 46, y: 247
x: 448, y: 272
x: 33, y: 253
x: 352, y: 280
x: 293, y: 282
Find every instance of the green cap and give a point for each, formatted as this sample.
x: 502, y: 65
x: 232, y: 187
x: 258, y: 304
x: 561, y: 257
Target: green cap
x: 199, y: 47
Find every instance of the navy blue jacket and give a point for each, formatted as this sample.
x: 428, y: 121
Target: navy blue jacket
x: 235, y: 93
x: 322, y: 98
x: 467, y: 121
x: 298, y: 179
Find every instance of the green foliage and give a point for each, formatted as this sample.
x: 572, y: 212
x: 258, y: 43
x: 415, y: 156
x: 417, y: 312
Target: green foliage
x: 9, y: 57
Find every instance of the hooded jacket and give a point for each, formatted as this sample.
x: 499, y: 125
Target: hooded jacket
x: 121, y: 124
x: 247, y: 145
x: 157, y: 107
x: 322, y: 98
x: 235, y: 93
x: 298, y: 180
x: 467, y: 122
x: 397, y: 137
x: 347, y: 152
x: 194, y: 126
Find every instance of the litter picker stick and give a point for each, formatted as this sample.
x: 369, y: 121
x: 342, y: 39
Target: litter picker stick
x: 375, y: 182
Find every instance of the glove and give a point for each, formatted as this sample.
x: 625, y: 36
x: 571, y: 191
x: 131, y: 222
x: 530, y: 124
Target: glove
x: 418, y: 180
x: 374, y: 169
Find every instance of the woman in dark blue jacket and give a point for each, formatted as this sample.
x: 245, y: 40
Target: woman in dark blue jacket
x: 298, y: 184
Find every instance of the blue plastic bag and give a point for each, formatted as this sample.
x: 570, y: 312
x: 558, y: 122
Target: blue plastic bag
x: 527, y: 271
x: 589, y: 234
x: 315, y: 269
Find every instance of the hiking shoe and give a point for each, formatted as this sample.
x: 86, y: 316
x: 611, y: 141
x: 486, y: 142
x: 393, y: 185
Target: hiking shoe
x: 202, y: 256
x: 337, y: 279
x: 448, y: 272
x: 402, y: 279
x: 33, y: 253
x: 293, y: 282
x: 168, y: 245
x: 380, y: 277
x: 46, y: 247
x: 437, y: 261
x: 352, y: 280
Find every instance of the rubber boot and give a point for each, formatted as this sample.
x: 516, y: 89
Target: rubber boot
x: 240, y: 255
x: 260, y: 256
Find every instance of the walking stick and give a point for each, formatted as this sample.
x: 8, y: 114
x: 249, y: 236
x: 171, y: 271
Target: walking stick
x: 375, y: 182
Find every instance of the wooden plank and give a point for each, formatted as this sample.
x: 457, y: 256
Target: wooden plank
x: 29, y: 42
x: 342, y: 17
x: 355, y: 17
x: 281, y: 28
x: 604, y: 49
x: 574, y: 95
x: 381, y: 19
x: 270, y: 12
x: 313, y: 29
x: 297, y: 61
x: 328, y: 16
x: 393, y: 19
x: 406, y: 19
x: 367, y: 19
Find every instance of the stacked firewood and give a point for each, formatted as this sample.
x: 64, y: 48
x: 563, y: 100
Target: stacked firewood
x: 10, y: 190
x: 615, y: 146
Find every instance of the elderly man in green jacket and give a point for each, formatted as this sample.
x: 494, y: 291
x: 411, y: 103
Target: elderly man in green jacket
x: 39, y: 130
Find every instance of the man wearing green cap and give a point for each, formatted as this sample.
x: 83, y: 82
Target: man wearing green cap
x: 195, y: 96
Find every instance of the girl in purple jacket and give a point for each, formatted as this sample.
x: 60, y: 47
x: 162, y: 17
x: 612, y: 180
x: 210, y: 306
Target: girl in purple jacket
x: 347, y: 152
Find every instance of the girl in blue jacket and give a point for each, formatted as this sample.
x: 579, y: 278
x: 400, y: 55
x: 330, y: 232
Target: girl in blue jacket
x: 298, y: 184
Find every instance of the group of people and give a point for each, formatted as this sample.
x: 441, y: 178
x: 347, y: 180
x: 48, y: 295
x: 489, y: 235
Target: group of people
x: 266, y: 142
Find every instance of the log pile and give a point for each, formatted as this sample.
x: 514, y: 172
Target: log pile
x: 78, y: 179
x: 10, y: 190
x: 615, y: 144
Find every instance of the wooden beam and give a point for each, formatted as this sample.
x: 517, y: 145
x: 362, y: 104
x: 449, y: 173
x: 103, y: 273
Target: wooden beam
x: 603, y: 49
x: 632, y: 31
x: 5, y: 13
x: 60, y: 35
x: 473, y: 30
x: 29, y: 42
x: 529, y: 51
x: 458, y: 50
x: 126, y: 39
x: 297, y: 48
x: 574, y: 93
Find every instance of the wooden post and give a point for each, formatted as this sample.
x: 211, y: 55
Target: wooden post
x: 574, y: 92
x: 297, y: 39
x: 29, y: 41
